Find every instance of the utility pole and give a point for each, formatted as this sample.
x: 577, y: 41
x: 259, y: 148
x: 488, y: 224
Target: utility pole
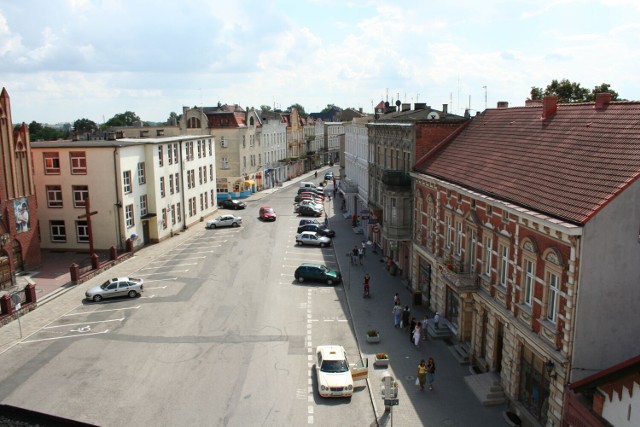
x: 485, y: 97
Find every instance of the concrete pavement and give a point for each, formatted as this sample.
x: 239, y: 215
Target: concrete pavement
x: 451, y: 403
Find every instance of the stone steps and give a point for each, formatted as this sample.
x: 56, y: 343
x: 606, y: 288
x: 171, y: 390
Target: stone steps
x: 487, y: 388
x: 460, y: 352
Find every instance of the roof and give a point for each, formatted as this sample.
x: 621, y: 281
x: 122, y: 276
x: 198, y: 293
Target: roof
x: 567, y: 165
x: 122, y: 142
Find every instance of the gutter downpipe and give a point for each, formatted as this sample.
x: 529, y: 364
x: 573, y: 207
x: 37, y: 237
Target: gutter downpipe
x: 182, y: 190
x: 118, y: 204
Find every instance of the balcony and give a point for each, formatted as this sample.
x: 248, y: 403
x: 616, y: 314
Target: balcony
x: 456, y: 274
x: 396, y: 178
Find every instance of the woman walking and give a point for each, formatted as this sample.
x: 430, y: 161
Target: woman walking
x: 422, y: 374
x: 431, y: 372
x: 397, y: 313
x: 417, y: 334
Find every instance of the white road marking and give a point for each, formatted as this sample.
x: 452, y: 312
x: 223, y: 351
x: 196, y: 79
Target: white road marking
x: 181, y: 259
x: 162, y: 272
x: 84, y: 323
x: 102, y: 311
x: 169, y: 266
x: 59, y: 338
x: 156, y: 287
x: 160, y: 280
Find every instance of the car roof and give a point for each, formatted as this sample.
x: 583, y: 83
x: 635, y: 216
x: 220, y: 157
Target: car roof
x: 266, y: 207
x: 310, y: 232
x: 307, y: 264
x: 331, y: 352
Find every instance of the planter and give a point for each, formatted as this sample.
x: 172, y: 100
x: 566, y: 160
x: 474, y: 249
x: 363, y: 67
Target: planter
x: 373, y: 339
x: 381, y: 362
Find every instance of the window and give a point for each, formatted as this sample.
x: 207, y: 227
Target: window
x: 458, y: 238
x: 162, y: 191
x: 552, y: 296
x: 51, y: 164
x: 143, y: 205
x: 504, y: 264
x: 210, y: 172
x: 244, y: 141
x: 199, y: 150
x: 394, y: 211
x: 448, y: 231
x: 164, y: 218
x: 178, y: 214
x: 142, y: 178
x: 58, y: 232
x: 126, y: 181
x: 173, y: 214
x: 489, y: 210
x: 223, y: 143
x: 160, y: 156
x: 78, y: 162
x: 80, y: 195
x: 488, y: 248
x: 472, y: 250
x: 177, y: 182
x: 225, y: 163
x: 529, y: 279
x: 200, y: 175
x: 175, y: 152
x: 170, y: 184
x: 82, y: 231
x: 210, y: 148
x: 128, y: 215
x: 170, y: 154
x: 201, y: 202
x: 54, y: 196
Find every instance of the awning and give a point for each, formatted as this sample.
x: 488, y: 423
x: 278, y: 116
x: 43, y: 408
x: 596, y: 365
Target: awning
x: 249, y: 182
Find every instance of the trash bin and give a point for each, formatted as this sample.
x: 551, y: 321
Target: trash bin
x: 417, y: 298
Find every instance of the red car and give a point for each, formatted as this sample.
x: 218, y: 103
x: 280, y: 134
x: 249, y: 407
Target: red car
x: 267, y: 213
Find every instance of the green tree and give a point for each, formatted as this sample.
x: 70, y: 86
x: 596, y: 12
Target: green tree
x: 300, y: 109
x: 84, y: 126
x: 265, y: 108
x: 40, y: 132
x: 568, y: 91
x: 128, y: 118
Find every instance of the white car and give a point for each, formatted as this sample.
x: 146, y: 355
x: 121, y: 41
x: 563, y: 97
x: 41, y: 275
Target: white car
x: 224, y: 221
x: 334, y: 374
x: 116, y: 287
x: 312, y: 238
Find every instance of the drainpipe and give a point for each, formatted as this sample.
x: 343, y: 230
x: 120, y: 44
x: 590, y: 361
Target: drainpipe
x: 118, y: 203
x: 182, y: 189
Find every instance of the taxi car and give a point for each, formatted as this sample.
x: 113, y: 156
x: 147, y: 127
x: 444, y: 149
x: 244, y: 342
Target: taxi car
x: 334, y: 375
x: 224, y: 221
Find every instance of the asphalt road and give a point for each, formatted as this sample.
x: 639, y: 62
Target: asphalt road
x: 223, y: 336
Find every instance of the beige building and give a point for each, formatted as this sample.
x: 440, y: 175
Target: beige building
x: 139, y: 189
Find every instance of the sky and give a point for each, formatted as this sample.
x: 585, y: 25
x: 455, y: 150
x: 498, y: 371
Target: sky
x: 63, y: 60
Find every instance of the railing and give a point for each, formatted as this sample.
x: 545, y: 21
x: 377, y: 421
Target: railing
x: 456, y: 276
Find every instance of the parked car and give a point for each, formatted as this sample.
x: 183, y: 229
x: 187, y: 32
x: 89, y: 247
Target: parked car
x: 312, y: 238
x: 267, y: 213
x: 317, y: 228
x: 334, y: 374
x: 318, y: 191
x: 224, y: 221
x: 304, y: 221
x: 317, y: 273
x: 328, y: 176
x: 309, y: 196
x: 116, y: 287
x: 232, y: 204
x: 308, y: 211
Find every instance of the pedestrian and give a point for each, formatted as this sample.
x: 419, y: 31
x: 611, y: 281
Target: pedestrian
x: 397, y: 314
x: 431, y: 372
x: 360, y: 255
x: 366, y: 278
x: 326, y: 221
x: 405, y: 317
x: 422, y: 374
x: 436, y: 320
x: 354, y: 255
x: 396, y: 299
x: 315, y: 174
x: 412, y: 328
x: 364, y: 248
x: 354, y: 220
x: 425, y: 323
x: 417, y: 334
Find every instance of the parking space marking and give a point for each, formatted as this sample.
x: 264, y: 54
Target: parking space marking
x: 181, y: 259
x: 84, y: 323
x: 68, y: 336
x: 161, y: 280
x: 162, y: 272
x: 102, y: 311
x: 156, y: 287
x: 174, y: 265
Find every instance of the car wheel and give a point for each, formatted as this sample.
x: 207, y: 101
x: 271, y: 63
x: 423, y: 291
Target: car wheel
x: 132, y: 294
x: 322, y: 245
x: 300, y: 279
x: 213, y: 226
x: 329, y: 282
x: 235, y: 224
x: 97, y: 298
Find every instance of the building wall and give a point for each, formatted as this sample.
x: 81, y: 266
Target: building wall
x: 622, y: 410
x: 273, y: 135
x: 608, y: 286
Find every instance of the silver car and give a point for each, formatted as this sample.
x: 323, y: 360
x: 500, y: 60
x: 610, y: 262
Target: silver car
x: 224, y: 221
x: 116, y: 287
x: 312, y: 238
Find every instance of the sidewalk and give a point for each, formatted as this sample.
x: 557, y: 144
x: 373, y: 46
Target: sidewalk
x: 452, y: 402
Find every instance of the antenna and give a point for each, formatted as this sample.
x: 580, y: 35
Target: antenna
x: 485, y: 96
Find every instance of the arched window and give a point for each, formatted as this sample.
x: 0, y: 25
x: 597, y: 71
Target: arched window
x: 529, y: 256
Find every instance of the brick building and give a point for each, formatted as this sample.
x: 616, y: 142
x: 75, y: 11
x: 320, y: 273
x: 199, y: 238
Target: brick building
x: 525, y: 240
x: 19, y: 243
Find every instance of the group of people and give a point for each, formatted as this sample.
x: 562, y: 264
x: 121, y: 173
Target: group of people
x: 358, y: 254
x: 417, y: 332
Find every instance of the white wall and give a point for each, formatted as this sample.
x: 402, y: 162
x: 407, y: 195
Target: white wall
x: 623, y: 412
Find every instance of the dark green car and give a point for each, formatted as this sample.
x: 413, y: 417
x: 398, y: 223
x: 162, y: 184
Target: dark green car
x: 317, y: 273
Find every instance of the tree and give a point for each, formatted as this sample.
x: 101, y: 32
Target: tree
x: 84, y: 126
x: 39, y: 132
x: 568, y: 91
x: 300, y: 109
x: 265, y: 108
x: 128, y: 118
x: 173, y: 119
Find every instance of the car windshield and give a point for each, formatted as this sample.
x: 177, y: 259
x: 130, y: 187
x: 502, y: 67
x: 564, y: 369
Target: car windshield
x: 334, y: 366
x: 269, y: 210
x: 324, y: 269
x: 107, y: 283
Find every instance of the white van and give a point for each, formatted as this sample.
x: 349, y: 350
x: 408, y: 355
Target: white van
x: 307, y: 185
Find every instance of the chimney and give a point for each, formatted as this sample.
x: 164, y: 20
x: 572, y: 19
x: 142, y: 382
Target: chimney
x: 420, y: 106
x: 503, y: 104
x: 602, y: 99
x: 444, y: 108
x: 549, y: 106
x: 360, y: 110
x: 406, y: 107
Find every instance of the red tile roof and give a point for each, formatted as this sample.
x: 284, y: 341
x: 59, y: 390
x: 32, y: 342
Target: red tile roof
x: 567, y: 166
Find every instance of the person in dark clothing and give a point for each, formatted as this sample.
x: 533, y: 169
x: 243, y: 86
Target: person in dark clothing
x: 405, y: 317
x: 412, y: 326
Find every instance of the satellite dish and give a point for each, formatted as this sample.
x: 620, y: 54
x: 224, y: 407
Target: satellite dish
x: 398, y: 103
x: 434, y: 116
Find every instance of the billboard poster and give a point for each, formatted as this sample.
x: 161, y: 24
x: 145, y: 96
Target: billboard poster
x: 21, y: 212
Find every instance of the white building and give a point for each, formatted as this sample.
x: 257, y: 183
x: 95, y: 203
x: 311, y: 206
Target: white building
x: 140, y: 189
x: 356, y: 170
x: 273, y: 135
